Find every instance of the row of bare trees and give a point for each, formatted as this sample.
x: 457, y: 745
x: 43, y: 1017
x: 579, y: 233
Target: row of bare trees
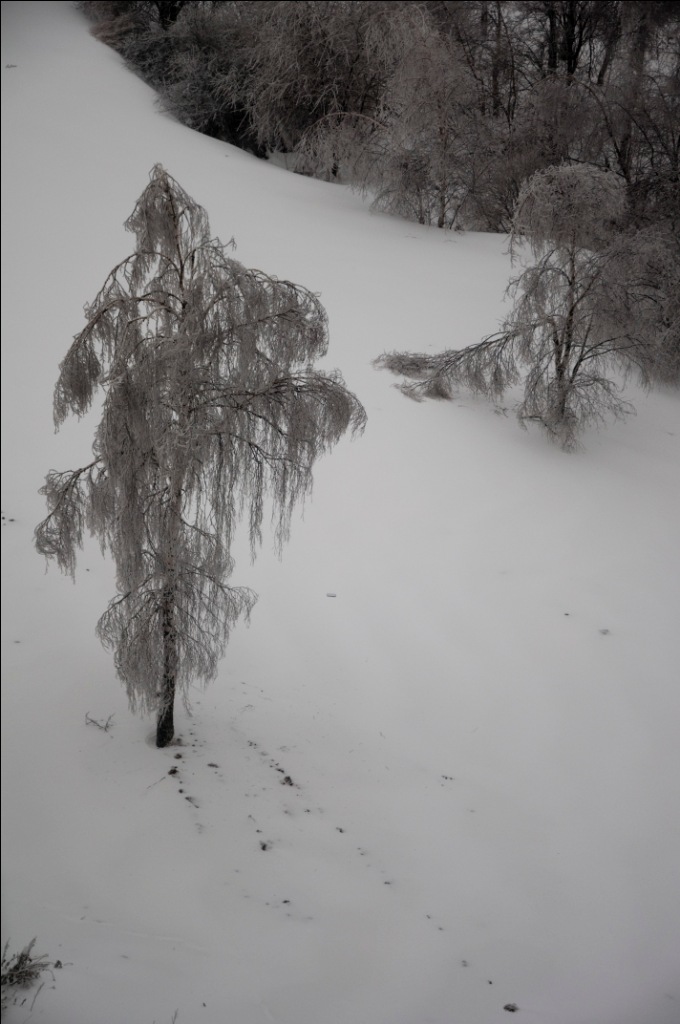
x: 438, y: 110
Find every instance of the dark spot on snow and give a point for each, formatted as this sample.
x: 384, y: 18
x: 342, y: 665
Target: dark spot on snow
x: 287, y: 781
x: 264, y: 845
x: 338, y: 829
x: 173, y: 771
x: 464, y: 963
x: 177, y: 757
x: 511, y: 1007
x: 211, y: 764
x: 605, y: 632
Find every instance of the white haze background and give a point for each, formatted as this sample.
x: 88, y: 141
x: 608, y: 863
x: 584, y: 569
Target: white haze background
x: 481, y: 724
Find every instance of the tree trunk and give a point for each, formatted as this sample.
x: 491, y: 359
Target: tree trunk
x: 165, y: 726
x: 639, y: 28
x: 552, y: 38
x: 495, y: 65
x: 563, y: 388
x: 562, y: 348
x: 558, y: 410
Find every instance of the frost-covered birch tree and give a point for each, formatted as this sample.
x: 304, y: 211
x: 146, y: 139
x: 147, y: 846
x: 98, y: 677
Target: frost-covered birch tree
x: 565, y: 339
x: 211, y: 409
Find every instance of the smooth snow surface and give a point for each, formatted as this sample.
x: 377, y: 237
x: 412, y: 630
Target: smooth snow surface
x: 480, y: 725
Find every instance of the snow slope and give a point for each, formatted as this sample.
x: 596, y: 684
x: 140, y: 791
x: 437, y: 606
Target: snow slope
x: 480, y: 726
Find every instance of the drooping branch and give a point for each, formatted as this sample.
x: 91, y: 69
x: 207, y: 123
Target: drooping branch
x: 487, y: 368
x: 69, y: 498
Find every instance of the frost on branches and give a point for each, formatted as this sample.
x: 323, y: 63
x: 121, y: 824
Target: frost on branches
x: 210, y: 405
x: 578, y: 326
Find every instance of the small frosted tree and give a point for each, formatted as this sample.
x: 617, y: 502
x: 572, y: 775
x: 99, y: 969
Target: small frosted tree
x: 563, y: 338
x: 211, y: 408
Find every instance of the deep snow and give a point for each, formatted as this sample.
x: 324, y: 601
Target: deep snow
x: 481, y: 727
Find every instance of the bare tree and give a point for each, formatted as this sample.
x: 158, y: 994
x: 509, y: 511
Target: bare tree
x: 438, y: 110
x: 309, y: 59
x: 210, y: 405
x: 640, y: 287
x: 565, y: 336
x: 425, y: 152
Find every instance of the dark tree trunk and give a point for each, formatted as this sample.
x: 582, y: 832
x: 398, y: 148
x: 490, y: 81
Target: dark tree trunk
x: 495, y: 67
x: 640, y: 32
x: 165, y: 726
x: 562, y: 349
x: 169, y: 11
x: 552, y: 38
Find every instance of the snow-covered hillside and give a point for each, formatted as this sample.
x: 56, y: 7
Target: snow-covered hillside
x: 466, y: 662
